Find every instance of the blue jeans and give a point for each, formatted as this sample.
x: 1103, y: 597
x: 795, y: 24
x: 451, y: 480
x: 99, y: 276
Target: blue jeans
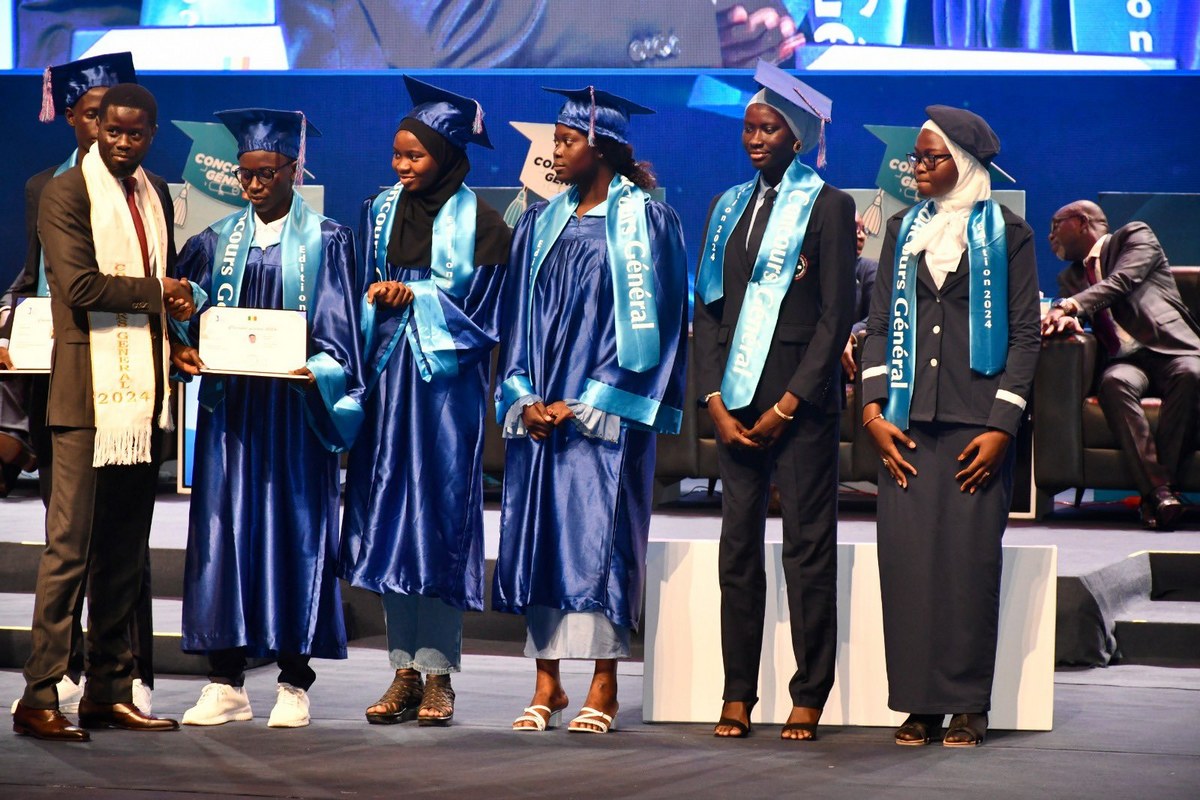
x: 423, y: 633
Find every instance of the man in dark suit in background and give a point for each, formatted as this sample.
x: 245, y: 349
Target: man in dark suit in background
x: 106, y: 230
x: 1122, y: 283
x: 864, y: 283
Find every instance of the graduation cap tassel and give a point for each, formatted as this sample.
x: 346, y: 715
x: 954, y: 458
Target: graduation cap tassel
x: 299, y: 176
x: 477, y: 127
x: 592, y: 120
x: 47, y: 114
x: 822, y: 162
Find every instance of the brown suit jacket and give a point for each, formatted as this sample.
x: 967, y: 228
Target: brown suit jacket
x: 77, y: 286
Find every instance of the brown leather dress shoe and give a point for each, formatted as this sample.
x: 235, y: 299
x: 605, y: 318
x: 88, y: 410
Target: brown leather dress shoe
x: 46, y: 723
x: 125, y: 716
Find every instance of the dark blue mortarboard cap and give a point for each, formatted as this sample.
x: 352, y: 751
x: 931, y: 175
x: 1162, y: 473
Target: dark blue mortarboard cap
x: 271, y: 130
x: 63, y: 85
x: 458, y: 119
x: 780, y: 86
x: 968, y: 130
x: 595, y: 111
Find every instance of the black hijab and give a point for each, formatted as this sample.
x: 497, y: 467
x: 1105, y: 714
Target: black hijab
x: 411, y: 242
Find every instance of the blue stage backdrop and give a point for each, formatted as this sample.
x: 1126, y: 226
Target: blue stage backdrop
x: 1064, y: 136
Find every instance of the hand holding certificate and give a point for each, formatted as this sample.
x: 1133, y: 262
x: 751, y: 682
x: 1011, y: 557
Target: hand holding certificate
x: 254, y: 341
x: 32, y: 338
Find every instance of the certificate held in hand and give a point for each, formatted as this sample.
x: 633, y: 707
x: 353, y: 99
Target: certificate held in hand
x: 254, y: 341
x: 32, y: 336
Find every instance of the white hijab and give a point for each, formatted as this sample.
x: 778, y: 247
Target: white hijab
x: 944, y: 237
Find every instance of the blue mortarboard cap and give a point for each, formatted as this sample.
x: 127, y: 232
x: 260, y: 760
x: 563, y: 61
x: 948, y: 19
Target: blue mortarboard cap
x: 459, y: 119
x: 283, y: 132
x: 595, y: 111
x: 63, y: 85
x: 795, y: 94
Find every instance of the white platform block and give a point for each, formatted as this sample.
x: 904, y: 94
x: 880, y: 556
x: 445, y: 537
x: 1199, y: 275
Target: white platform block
x: 683, y: 673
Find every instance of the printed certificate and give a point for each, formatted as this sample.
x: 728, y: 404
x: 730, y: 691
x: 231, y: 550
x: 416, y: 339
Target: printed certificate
x: 254, y: 341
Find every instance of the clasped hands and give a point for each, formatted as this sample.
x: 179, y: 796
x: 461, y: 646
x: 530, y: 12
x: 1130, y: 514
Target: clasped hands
x: 765, y: 431
x: 982, y: 456
x: 540, y: 419
x: 392, y: 294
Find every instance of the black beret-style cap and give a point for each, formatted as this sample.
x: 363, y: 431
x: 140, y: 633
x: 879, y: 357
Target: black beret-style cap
x: 968, y: 130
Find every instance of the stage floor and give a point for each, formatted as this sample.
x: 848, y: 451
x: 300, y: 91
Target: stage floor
x: 1121, y: 732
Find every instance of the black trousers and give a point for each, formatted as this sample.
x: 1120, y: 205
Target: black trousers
x: 97, y: 531
x: 229, y: 667
x: 1153, y: 460
x: 803, y: 464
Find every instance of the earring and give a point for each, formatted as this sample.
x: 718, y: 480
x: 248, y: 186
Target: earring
x: 796, y: 146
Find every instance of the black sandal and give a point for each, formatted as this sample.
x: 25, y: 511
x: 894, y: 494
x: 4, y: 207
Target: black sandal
x: 918, y: 729
x: 743, y: 728
x: 401, y: 700
x: 438, y: 697
x: 966, y: 730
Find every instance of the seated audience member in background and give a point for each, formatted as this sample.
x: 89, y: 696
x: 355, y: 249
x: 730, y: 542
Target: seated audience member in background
x: 864, y: 283
x: 1121, y: 282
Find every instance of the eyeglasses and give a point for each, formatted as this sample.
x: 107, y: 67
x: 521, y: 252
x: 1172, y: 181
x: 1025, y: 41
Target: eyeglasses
x: 930, y: 160
x: 1056, y: 221
x: 265, y: 175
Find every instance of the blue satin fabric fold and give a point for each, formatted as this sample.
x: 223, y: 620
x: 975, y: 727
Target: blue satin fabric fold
x: 262, y: 536
x: 413, y: 522
x: 576, y: 509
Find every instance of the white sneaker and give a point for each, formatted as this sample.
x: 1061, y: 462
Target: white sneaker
x: 219, y: 703
x: 69, y: 694
x: 291, y: 708
x: 142, y: 696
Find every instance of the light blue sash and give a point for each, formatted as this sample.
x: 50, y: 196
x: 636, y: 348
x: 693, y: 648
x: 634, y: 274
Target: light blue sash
x: 628, y: 243
x: 769, y: 282
x: 452, y: 264
x: 710, y: 278
x: 43, y: 285
x: 987, y: 259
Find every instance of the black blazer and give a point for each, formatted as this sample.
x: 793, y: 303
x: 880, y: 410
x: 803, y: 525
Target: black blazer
x: 814, y: 320
x: 77, y: 286
x: 26, y: 281
x: 945, y: 389
x: 1139, y: 289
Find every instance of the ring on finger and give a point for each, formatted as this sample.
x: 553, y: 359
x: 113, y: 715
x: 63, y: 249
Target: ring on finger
x: 886, y: 462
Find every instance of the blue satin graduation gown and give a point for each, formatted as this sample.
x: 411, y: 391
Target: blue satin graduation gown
x: 413, y: 522
x: 262, y: 534
x: 576, y: 510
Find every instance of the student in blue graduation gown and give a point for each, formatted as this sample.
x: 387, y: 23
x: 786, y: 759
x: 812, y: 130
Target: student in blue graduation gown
x: 592, y: 368
x: 774, y: 306
x: 413, y: 525
x: 259, y: 577
x: 952, y: 345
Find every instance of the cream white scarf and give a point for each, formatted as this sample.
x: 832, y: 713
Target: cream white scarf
x: 944, y: 237
x: 123, y: 380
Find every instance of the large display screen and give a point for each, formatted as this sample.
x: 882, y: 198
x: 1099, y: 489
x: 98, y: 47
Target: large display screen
x: 855, y: 35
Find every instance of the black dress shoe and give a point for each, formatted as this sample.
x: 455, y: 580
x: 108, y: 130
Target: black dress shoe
x: 46, y: 723
x: 125, y: 716
x: 1168, y: 508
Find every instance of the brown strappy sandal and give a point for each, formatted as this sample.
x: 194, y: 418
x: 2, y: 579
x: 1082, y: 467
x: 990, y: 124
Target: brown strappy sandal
x: 439, y: 698
x: 400, y: 701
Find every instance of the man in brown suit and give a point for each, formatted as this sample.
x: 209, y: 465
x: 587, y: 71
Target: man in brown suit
x: 102, y: 499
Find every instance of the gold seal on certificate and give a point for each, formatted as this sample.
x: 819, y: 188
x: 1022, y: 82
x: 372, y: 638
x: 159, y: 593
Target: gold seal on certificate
x: 32, y: 336
x: 254, y: 341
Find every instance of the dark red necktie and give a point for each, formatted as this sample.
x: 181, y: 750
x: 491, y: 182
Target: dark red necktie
x: 130, y: 185
x: 1102, y: 321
